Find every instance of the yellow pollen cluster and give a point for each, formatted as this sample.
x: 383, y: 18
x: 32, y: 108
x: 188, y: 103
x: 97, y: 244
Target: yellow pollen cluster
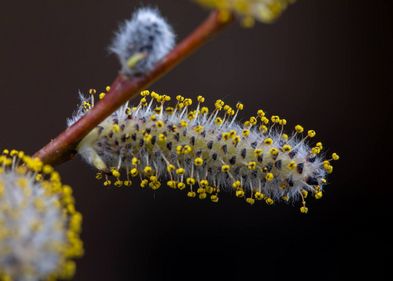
x: 39, y: 225
x: 249, y: 10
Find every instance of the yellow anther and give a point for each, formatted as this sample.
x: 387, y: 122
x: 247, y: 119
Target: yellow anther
x: 285, y: 198
x: 282, y: 122
x: 236, y: 184
x: 259, y: 195
x: 191, y: 194
x: 147, y: 137
x: 143, y: 101
x: 135, y: 161
x: 268, y: 141
x: 203, y: 183
x: 204, y: 110
x: 269, y: 177
x: 127, y: 183
x: 145, y: 93
x: 179, y: 149
x: 169, y: 109
x: 157, y: 110
x: 239, y: 193
x: 92, y: 91
x: 200, y: 99
x: 181, y: 185
x: 118, y: 183
x: 239, y: 106
x: 335, y: 156
x: 274, y: 151
x: 328, y: 168
x: 264, y: 120
x: 101, y: 96
x: 311, y: 133
x: 246, y: 133
x: 261, y: 113
x: 187, y: 102
x: 161, y: 138
x: 304, y: 210
x: 202, y: 195
x: 171, y: 184
x: 299, y: 129
x: 107, y: 183
x: 315, y: 150
x: 116, y: 128
x: 160, y: 124
x: 144, y: 183
x: 269, y: 201
x: 153, y: 117
x: 201, y: 190
x: 148, y: 170
x: 304, y: 193
x: 263, y: 128
x: 247, y: 124
x: 225, y: 168
x: 179, y: 98
x: 214, y: 198
x: 253, y: 120
x: 292, y: 165
x: 286, y: 148
x: 153, y: 178
x: 47, y: 169
x: 115, y: 173
x: 190, y: 181
x: 187, y: 149
x: 318, y: 195
x: 284, y: 137
x: 275, y: 119
x: 324, y: 181
x: 198, y: 161
x: 170, y: 168
x: 252, y: 165
x: 250, y: 200
x: 99, y: 176
x: 134, y: 172
x: 155, y: 185
x: 218, y: 121
x: 180, y: 171
x: 198, y: 128
x: 183, y: 123
x: 226, y: 136
x: 236, y: 140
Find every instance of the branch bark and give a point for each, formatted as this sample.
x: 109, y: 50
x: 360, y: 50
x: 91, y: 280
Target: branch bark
x: 62, y: 148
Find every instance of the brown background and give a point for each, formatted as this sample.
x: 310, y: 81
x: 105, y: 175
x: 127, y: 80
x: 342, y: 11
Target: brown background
x: 325, y: 64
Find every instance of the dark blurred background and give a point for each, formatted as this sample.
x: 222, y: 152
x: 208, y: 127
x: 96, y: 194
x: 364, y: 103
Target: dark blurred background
x: 326, y: 64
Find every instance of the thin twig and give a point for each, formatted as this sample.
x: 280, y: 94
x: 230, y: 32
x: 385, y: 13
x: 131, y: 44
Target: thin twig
x: 62, y: 148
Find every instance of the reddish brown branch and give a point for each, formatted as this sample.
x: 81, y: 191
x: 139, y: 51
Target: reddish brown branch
x: 62, y: 148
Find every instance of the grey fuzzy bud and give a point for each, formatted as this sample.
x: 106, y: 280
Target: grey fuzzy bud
x: 142, y: 41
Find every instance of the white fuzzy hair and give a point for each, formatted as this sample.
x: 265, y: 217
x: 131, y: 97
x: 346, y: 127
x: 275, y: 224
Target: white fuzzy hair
x: 148, y: 34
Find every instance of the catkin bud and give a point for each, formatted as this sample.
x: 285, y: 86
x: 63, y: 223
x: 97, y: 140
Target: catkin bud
x: 142, y: 41
x: 203, y: 152
x: 39, y: 226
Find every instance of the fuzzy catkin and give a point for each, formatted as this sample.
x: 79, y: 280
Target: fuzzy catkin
x: 39, y: 226
x: 142, y: 41
x: 203, y: 152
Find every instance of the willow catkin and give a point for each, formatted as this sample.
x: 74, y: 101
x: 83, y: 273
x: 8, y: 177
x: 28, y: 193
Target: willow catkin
x: 204, y: 153
x: 39, y: 226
